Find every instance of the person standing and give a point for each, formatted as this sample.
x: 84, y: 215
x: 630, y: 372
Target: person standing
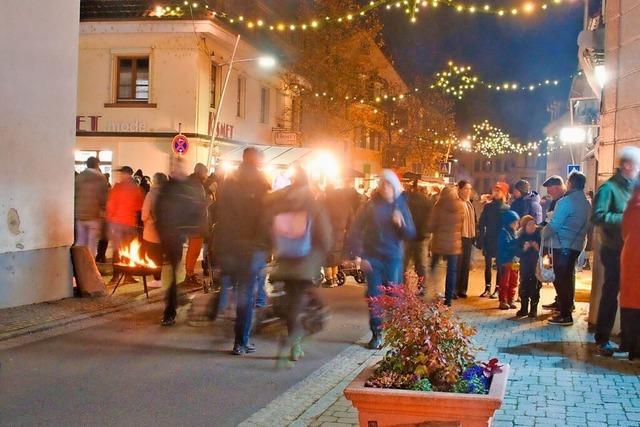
x: 151, y: 246
x: 525, y: 201
x: 416, y: 250
x: 446, y: 223
x: 629, y: 274
x: 507, y: 251
x: 610, y: 202
x: 529, y: 253
x: 123, y: 206
x: 468, y: 238
x: 178, y: 213
x: 488, y: 228
x: 377, y: 235
x: 567, y: 231
x: 196, y: 241
x: 90, y: 200
x: 301, y: 238
x: 240, y: 240
x: 340, y: 213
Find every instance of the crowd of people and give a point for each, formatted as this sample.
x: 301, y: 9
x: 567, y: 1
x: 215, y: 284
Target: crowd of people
x: 301, y: 230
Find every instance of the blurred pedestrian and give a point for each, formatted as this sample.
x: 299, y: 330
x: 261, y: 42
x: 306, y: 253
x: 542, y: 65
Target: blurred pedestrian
x: 301, y: 239
x: 151, y: 245
x: 416, y: 250
x: 179, y: 212
x: 529, y: 252
x: 377, y: 236
x: 339, y: 209
x: 197, y: 179
x: 611, y: 199
x: 446, y: 224
x: 525, y: 201
x: 469, y: 227
x: 567, y: 230
x: 240, y: 240
x: 103, y: 242
x: 90, y: 202
x: 489, y: 227
x: 507, y: 266
x: 629, y: 274
x: 123, y: 207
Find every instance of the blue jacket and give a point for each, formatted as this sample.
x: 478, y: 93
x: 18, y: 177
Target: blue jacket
x: 570, y: 222
x: 373, y: 233
x: 529, y: 204
x: 507, y: 239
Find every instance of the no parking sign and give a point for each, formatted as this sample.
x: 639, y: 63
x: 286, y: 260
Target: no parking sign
x: 180, y: 144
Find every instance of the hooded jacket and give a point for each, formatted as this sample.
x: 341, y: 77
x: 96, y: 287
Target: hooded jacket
x: 528, y: 204
x: 446, y: 223
x: 609, y: 204
x: 507, y: 239
x: 489, y: 226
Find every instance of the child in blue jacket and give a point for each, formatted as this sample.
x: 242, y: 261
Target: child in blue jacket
x: 507, y: 251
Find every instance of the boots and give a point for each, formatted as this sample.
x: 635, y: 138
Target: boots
x: 376, y: 341
x: 524, y: 307
x: 533, y: 310
x: 487, y: 291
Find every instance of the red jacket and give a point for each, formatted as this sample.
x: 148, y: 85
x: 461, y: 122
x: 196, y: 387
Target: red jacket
x: 630, y: 271
x: 124, y: 203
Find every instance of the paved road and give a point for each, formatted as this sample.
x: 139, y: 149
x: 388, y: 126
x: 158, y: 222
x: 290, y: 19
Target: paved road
x: 131, y: 371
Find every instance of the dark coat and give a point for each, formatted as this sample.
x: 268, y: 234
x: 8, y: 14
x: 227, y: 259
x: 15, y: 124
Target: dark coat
x: 608, y: 207
x: 420, y: 207
x: 528, y: 204
x: 300, y: 198
x: 528, y: 258
x: 339, y: 209
x: 179, y: 210
x: 489, y: 226
x: 446, y: 223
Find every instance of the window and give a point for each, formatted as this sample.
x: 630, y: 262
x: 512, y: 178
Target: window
x: 280, y: 109
x: 212, y: 85
x: 133, y: 79
x: 241, y: 95
x: 264, y: 104
x: 105, y: 157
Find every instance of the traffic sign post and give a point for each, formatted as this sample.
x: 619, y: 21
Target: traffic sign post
x: 572, y: 168
x: 180, y: 144
x: 445, y: 168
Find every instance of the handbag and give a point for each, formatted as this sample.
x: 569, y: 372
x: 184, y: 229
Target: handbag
x: 545, y: 273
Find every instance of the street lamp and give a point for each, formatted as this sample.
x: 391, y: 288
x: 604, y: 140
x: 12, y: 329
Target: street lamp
x: 573, y: 135
x: 263, y: 61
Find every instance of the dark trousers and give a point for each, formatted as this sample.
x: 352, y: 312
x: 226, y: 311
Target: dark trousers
x: 172, y: 248
x: 296, y: 301
x: 416, y: 253
x: 244, y: 279
x: 101, y: 256
x: 487, y: 272
x: 452, y: 270
x: 564, y: 267
x: 464, y: 266
x: 608, y: 306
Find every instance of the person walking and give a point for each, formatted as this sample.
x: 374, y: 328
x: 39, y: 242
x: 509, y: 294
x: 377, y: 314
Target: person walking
x: 489, y: 227
x: 89, y: 208
x: 507, y: 251
x: 416, y: 250
x: 377, y: 235
x: 446, y: 224
x: 629, y: 274
x: 525, y: 201
x: 610, y: 202
x: 240, y: 240
x: 151, y: 245
x: 123, y: 207
x: 529, y: 253
x: 196, y: 241
x: 301, y: 239
x: 468, y: 238
x: 567, y: 231
x: 340, y: 213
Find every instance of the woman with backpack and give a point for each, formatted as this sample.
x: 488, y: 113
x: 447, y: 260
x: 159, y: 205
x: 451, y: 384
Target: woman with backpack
x: 301, y: 238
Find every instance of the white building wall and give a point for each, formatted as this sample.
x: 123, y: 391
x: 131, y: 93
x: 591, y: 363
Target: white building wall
x: 39, y: 45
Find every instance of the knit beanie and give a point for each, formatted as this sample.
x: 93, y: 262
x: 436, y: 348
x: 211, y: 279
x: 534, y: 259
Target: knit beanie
x: 502, y: 186
x: 523, y: 186
x: 391, y: 177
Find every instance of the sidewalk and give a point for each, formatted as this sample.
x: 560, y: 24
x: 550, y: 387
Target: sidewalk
x: 555, y: 379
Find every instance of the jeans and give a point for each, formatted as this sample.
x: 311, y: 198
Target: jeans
x: 87, y: 233
x: 261, y: 285
x: 387, y: 272
x: 172, y: 247
x: 487, y: 272
x: 464, y: 266
x: 416, y: 252
x: 564, y: 267
x: 608, y: 306
x: 226, y: 290
x: 452, y: 272
x: 243, y: 278
x: 508, y: 283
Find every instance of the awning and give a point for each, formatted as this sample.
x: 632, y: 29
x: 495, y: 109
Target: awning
x: 273, y: 155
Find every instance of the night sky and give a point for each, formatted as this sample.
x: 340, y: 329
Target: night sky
x: 523, y: 49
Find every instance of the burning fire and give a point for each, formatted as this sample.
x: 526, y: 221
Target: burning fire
x: 130, y: 256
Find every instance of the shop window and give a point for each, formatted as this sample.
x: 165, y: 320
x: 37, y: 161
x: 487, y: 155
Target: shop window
x: 241, y: 96
x: 264, y: 104
x: 133, y: 79
x: 105, y: 157
x: 213, y: 82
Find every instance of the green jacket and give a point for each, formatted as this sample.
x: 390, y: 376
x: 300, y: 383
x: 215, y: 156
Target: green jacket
x: 608, y: 206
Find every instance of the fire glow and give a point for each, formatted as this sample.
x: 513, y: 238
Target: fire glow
x: 130, y: 256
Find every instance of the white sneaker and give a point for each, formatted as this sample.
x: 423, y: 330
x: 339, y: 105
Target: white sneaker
x: 154, y: 284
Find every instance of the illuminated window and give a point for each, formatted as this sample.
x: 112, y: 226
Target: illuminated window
x: 264, y: 104
x: 241, y: 96
x: 133, y: 79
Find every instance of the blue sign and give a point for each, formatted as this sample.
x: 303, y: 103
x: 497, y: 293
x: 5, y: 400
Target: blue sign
x: 572, y: 168
x: 445, y: 168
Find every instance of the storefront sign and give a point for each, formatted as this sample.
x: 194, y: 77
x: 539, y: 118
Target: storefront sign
x: 87, y: 123
x: 223, y: 130
x: 94, y: 124
x: 282, y: 137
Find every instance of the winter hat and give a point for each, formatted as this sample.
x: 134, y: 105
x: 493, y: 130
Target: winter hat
x: 391, y: 177
x: 502, y: 186
x: 523, y: 186
x: 526, y: 220
x: 508, y: 217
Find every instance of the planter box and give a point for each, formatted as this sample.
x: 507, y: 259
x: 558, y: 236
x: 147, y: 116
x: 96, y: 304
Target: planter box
x: 379, y: 407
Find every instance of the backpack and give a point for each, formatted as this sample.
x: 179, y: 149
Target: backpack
x: 292, y: 234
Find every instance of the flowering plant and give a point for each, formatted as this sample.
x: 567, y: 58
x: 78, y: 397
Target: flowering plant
x: 429, y: 347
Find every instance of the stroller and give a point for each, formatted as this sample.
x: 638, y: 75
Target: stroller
x: 349, y: 268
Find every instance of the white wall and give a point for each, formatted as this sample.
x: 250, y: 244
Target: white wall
x: 38, y: 80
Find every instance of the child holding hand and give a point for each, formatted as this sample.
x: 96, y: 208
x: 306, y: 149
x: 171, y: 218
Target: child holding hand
x: 529, y: 252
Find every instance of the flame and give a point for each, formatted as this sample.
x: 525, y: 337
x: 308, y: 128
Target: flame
x: 130, y: 256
